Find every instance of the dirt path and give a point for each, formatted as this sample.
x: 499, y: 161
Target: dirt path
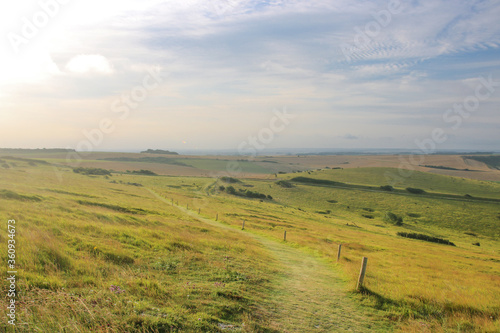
x: 311, y: 296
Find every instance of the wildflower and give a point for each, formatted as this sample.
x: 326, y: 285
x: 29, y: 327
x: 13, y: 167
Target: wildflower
x: 116, y: 289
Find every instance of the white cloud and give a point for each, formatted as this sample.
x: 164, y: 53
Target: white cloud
x: 230, y: 60
x: 89, y: 63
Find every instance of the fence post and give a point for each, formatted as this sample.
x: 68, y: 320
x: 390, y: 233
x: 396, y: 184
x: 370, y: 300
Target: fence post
x: 284, y: 236
x: 362, y: 273
x: 217, y: 217
x: 199, y: 210
x: 172, y: 202
x: 187, y: 206
x: 338, y: 253
x: 243, y: 227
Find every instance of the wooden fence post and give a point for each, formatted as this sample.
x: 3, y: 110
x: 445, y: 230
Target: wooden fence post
x: 187, y: 206
x: 338, y: 253
x: 284, y: 236
x: 199, y: 210
x: 243, y: 226
x: 362, y: 273
x: 217, y: 217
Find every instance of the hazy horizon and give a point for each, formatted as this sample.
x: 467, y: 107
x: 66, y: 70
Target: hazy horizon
x: 282, y: 151
x: 250, y: 75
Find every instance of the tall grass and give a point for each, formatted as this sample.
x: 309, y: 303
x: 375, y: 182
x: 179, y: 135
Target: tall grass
x: 91, y: 267
x: 115, y: 271
x: 422, y: 286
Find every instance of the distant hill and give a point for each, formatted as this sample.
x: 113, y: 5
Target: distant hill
x: 159, y: 151
x: 492, y: 161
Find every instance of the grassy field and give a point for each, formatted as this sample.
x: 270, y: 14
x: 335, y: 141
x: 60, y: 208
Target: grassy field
x: 144, y: 253
x: 260, y: 166
x: 112, y: 259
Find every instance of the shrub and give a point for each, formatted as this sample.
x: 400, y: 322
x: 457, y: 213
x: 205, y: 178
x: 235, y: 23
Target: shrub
x: 135, y: 184
x: 387, y: 188
x: 415, y: 190
x: 230, y: 190
x: 393, y: 218
x: 284, y: 183
x: 425, y: 238
x: 144, y: 172
x: 92, y: 171
x: 314, y: 181
x: 251, y: 194
x: 247, y: 193
x: 230, y: 180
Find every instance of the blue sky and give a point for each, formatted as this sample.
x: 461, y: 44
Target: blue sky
x: 354, y: 74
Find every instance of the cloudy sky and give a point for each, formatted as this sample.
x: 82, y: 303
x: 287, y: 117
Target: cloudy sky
x: 196, y: 74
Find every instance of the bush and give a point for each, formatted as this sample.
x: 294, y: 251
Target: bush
x: 415, y: 190
x: 230, y: 180
x: 284, y: 183
x: 251, y: 194
x: 92, y: 171
x: 144, y: 172
x: 425, y: 238
x: 393, y: 218
x: 387, y: 188
x: 247, y: 193
x: 314, y: 181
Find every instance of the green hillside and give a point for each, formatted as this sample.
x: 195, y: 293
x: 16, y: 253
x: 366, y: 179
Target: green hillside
x: 124, y: 252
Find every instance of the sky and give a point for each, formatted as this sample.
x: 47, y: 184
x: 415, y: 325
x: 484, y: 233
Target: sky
x: 193, y: 74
